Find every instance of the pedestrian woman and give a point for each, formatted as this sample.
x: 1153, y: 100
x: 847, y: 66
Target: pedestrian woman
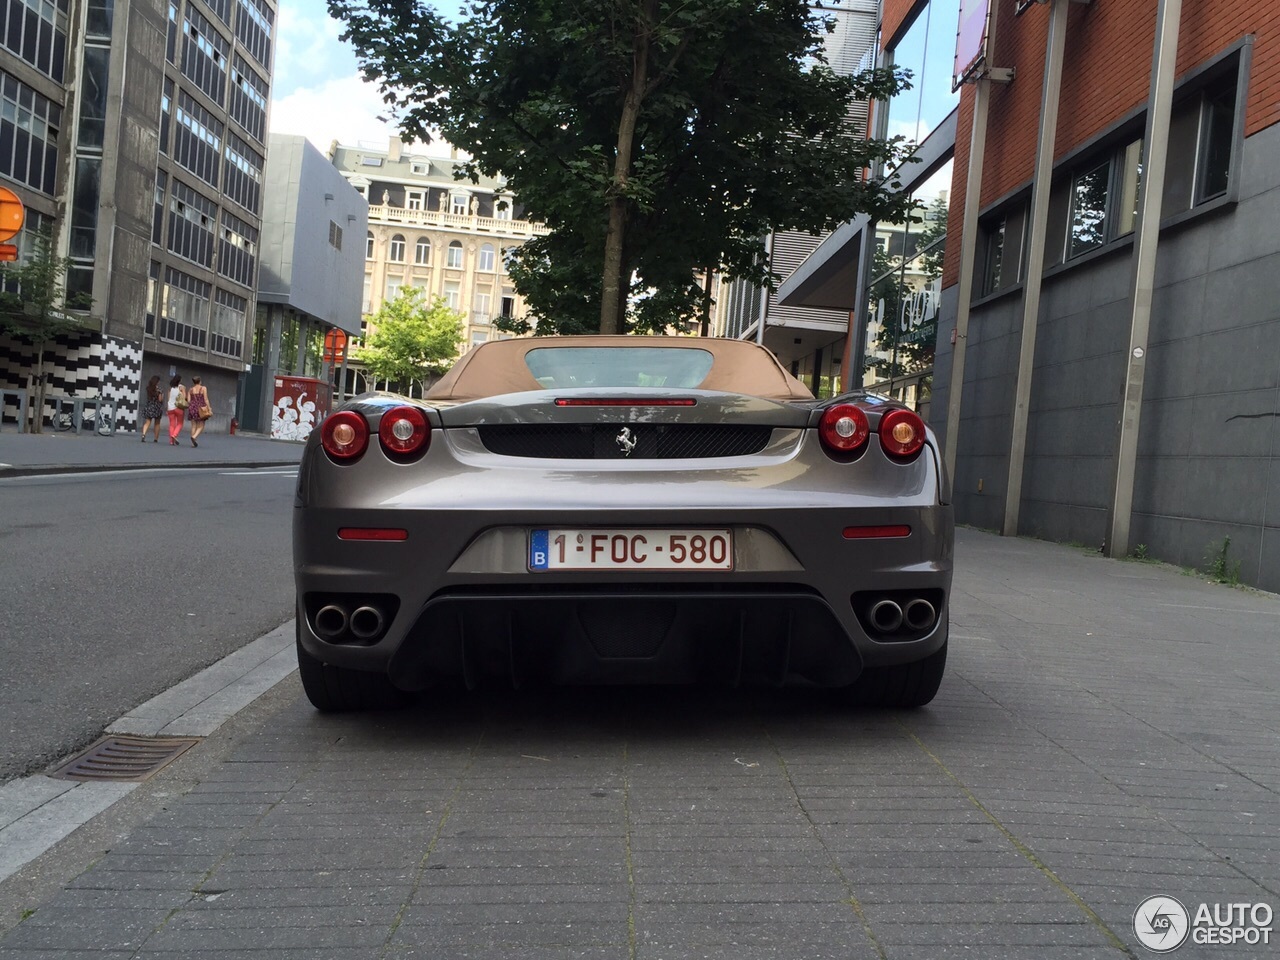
x: 198, y: 409
x: 153, y: 409
x: 176, y: 408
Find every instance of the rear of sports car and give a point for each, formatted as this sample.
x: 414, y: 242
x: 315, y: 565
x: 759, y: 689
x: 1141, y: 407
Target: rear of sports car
x: 626, y: 535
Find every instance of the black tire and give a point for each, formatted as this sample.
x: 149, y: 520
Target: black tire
x: 337, y: 690
x: 903, y: 686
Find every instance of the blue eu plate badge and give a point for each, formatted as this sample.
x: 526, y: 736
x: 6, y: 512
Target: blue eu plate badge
x: 539, y: 543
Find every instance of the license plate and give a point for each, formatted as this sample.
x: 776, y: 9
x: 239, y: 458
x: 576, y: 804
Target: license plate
x: 631, y: 549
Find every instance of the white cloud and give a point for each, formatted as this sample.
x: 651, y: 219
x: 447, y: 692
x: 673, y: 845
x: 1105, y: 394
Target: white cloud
x: 345, y: 109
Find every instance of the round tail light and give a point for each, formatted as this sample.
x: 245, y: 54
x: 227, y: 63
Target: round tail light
x: 404, y: 432
x: 901, y: 434
x: 843, y: 430
x: 344, y: 436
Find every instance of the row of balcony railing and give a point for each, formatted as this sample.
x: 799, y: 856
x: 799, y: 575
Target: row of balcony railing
x: 459, y: 221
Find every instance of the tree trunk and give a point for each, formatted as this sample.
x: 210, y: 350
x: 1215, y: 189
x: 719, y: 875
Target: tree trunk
x: 706, y: 302
x: 37, y: 417
x: 612, y: 305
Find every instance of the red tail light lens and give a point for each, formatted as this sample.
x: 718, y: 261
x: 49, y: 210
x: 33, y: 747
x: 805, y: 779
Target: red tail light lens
x: 901, y: 434
x: 344, y: 436
x: 404, y: 432
x: 843, y: 429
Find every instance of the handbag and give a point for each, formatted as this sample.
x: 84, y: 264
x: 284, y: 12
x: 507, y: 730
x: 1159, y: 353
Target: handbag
x: 206, y: 412
x: 181, y: 402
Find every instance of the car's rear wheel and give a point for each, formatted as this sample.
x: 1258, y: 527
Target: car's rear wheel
x: 902, y: 685
x: 336, y: 689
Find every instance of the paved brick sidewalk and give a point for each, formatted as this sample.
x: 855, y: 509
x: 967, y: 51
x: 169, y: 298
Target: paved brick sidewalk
x: 49, y: 452
x: 1107, y: 731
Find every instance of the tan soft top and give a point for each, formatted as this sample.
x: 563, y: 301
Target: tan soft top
x: 498, y: 367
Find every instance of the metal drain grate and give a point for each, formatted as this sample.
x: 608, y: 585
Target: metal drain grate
x: 125, y: 759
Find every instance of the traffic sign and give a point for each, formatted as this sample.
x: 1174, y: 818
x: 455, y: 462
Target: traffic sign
x: 335, y: 346
x: 8, y: 253
x: 12, y: 213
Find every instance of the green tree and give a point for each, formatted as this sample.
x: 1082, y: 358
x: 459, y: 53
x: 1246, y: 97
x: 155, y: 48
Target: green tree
x: 34, y: 307
x: 658, y: 139
x: 411, y: 339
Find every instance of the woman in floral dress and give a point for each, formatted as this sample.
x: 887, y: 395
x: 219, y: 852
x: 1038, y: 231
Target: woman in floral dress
x: 198, y: 409
x: 153, y: 409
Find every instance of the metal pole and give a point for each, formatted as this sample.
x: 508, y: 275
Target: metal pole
x: 1146, y: 241
x: 968, y: 251
x: 1055, y: 49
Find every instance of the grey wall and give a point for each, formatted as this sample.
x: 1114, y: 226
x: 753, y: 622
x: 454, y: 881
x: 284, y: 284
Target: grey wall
x: 1209, y: 446
x: 302, y: 193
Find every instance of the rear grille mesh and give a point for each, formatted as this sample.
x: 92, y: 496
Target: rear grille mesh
x: 600, y: 441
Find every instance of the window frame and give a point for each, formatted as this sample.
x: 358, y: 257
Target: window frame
x: 450, y: 258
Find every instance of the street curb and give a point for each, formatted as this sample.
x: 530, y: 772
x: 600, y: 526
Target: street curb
x: 52, y: 469
x: 36, y: 812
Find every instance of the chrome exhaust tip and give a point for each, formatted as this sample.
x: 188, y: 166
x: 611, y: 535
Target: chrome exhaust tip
x: 331, y: 622
x: 886, y: 616
x: 919, y: 614
x: 366, y: 623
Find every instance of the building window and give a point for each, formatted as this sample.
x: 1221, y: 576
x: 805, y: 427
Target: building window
x: 508, y: 305
x: 366, y: 305
x: 1217, y: 136
x: 1128, y: 179
x: 502, y: 208
x: 413, y: 199
x: 397, y: 249
x: 226, y: 332
x: 422, y: 252
x: 478, y: 337
x: 248, y: 102
x: 452, y: 294
x: 368, y: 246
x: 28, y: 135
x: 36, y: 31
x: 454, y: 256
x: 1087, y: 221
x: 481, y: 304
x: 458, y: 203
x: 242, y: 175
x: 392, y: 289
x: 253, y: 28
x: 1000, y: 249
x: 237, y: 250
x: 335, y: 235
x: 486, y: 258
x: 184, y: 309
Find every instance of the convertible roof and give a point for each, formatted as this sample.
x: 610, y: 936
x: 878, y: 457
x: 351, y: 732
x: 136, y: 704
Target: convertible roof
x: 498, y: 367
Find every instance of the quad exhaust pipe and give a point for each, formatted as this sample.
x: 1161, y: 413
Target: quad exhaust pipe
x: 333, y: 623
x: 914, y: 616
x: 919, y: 614
x: 366, y: 623
x: 886, y: 616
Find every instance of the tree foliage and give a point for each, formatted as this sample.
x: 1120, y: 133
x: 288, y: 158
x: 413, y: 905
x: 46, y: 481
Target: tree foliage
x: 34, y: 306
x: 411, y: 339
x: 656, y: 138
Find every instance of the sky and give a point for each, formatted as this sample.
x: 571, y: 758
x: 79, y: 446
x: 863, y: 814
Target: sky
x: 317, y: 88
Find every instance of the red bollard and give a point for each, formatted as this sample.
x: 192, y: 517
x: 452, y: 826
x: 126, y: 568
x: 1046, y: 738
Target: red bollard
x: 234, y: 424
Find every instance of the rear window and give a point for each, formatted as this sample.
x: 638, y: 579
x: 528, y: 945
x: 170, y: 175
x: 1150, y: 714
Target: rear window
x: 564, y: 367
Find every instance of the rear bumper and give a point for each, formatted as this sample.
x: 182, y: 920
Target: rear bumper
x: 461, y: 612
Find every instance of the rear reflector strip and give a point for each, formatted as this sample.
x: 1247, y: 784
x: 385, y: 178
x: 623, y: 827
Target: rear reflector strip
x: 623, y: 402
x: 876, y: 533
x: 371, y: 533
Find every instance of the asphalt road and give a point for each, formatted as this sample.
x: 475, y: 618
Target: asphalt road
x: 116, y: 586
